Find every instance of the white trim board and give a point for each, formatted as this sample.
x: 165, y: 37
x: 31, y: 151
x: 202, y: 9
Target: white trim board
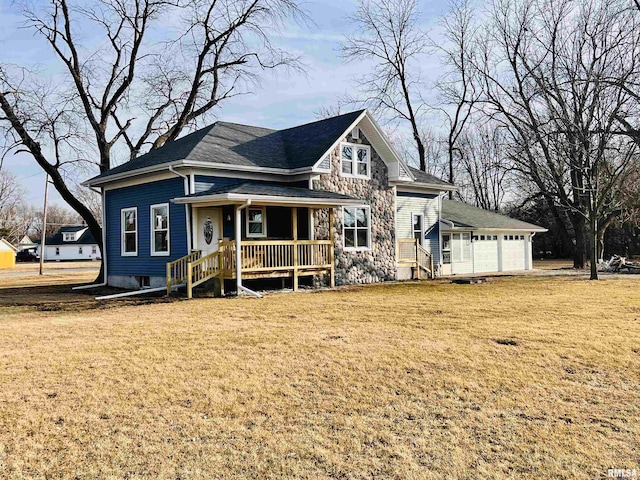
x: 221, y: 198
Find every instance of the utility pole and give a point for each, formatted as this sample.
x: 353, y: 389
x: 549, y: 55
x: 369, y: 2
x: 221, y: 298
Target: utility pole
x: 44, y: 224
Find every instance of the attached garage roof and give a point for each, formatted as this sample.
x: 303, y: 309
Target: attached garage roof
x: 467, y: 216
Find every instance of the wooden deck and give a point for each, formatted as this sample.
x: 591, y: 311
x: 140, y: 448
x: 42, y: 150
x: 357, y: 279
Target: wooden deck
x: 259, y: 259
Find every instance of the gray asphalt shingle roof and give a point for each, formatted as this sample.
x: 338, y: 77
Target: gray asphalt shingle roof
x: 424, y: 177
x: 463, y: 215
x: 270, y: 189
x: 244, y: 145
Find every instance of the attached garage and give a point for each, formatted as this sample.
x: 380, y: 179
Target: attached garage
x: 7, y: 254
x: 514, y: 252
x: 485, y: 253
x: 479, y: 241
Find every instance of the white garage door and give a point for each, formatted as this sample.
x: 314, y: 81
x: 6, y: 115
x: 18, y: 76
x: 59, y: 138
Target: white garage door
x: 513, y: 252
x: 485, y: 253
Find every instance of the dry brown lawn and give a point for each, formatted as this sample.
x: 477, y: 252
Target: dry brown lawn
x: 534, y: 377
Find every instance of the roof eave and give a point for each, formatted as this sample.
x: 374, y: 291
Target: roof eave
x: 221, y: 198
x: 496, y: 229
x: 94, y: 182
x: 426, y: 186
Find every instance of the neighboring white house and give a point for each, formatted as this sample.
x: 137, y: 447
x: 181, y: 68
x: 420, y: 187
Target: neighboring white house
x: 26, y: 244
x: 71, y: 243
x: 479, y: 241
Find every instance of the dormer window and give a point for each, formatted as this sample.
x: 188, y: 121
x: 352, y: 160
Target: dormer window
x: 355, y: 160
x: 68, y: 237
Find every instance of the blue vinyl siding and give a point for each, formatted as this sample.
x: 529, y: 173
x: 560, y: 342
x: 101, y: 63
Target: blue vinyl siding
x: 205, y: 182
x: 142, y: 197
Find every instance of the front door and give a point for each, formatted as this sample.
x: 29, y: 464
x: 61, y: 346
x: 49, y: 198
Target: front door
x: 208, y: 228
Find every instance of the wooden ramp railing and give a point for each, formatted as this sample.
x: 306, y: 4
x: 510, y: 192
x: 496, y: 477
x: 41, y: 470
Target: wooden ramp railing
x: 425, y: 260
x: 259, y: 259
x: 278, y: 257
x: 203, y: 269
x: 177, y: 270
x: 411, y: 253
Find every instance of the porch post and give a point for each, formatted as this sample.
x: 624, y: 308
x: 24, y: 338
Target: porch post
x: 294, y: 226
x: 238, y: 253
x: 332, y: 235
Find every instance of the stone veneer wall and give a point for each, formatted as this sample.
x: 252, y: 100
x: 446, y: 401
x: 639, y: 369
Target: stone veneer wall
x: 379, y: 263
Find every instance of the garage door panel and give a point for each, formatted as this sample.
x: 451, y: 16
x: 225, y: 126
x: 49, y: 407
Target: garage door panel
x: 513, y: 253
x: 485, y: 256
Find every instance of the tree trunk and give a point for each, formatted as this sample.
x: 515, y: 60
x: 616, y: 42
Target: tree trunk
x: 594, y: 250
x: 580, y: 245
x: 450, y: 168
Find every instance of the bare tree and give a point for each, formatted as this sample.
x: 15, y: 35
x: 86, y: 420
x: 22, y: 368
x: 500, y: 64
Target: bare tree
x: 390, y: 37
x: 485, y: 167
x: 58, y: 216
x: 543, y: 66
x: 11, y: 204
x: 132, y: 90
x: 456, y: 85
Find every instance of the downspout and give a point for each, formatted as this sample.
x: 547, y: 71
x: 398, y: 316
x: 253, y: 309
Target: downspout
x: 530, y: 253
x: 104, y: 244
x: 239, y: 286
x: 440, y: 264
x: 187, y: 191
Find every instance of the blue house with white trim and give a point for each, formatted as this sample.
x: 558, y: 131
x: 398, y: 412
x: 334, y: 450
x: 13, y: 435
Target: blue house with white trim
x: 330, y: 201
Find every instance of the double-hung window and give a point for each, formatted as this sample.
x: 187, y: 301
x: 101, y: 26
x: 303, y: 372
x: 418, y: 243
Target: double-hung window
x: 418, y: 220
x: 160, y: 229
x: 357, y: 228
x: 355, y: 160
x: 129, y: 218
x: 256, y: 222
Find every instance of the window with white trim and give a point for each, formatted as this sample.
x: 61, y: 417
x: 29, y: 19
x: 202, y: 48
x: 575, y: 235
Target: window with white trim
x: 418, y: 221
x: 68, y: 237
x: 355, y: 160
x: 160, y: 229
x: 461, y: 247
x: 357, y: 228
x: 94, y: 250
x: 129, y: 218
x: 446, y: 248
x: 256, y: 222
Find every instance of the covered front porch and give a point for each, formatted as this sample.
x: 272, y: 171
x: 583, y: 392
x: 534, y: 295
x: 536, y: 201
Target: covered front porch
x: 254, y: 231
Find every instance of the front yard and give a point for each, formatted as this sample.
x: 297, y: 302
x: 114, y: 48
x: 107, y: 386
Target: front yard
x: 533, y: 377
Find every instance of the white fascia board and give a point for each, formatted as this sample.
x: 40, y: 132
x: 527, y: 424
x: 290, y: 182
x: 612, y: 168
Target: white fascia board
x: 382, y: 136
x: 133, y: 173
x: 264, y: 200
x: 493, y: 230
x: 196, y: 164
x: 389, y: 145
x: 335, y: 144
x: 425, y: 187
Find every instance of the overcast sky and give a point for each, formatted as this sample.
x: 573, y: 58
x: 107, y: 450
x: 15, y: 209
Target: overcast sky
x: 283, y: 101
